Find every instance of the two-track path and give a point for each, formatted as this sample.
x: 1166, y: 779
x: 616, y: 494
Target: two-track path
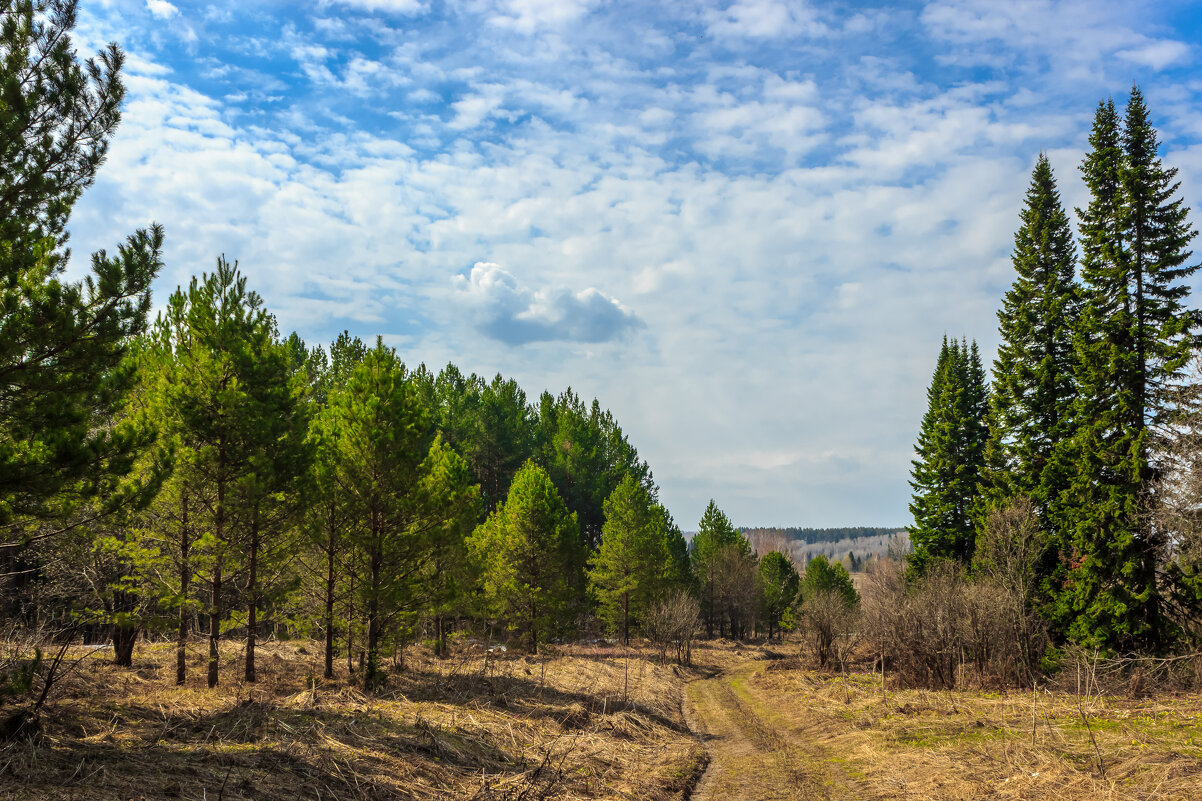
x: 760, y: 748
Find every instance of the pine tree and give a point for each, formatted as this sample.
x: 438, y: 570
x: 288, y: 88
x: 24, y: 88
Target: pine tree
x: 779, y: 584
x: 628, y: 571
x: 225, y: 398
x: 528, y: 552
x: 715, y: 537
x: 381, y: 456
x: 1134, y: 337
x: 951, y: 458
x: 63, y: 376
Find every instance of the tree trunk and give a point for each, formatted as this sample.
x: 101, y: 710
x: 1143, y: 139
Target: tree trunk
x: 124, y: 638
x: 185, y: 578
x: 329, y: 620
x: 214, y: 624
x: 375, y: 565
x: 215, y: 602
x: 252, y: 584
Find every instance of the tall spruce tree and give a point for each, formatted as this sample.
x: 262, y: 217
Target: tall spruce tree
x: 1134, y: 337
x: 951, y: 457
x: 1033, y: 384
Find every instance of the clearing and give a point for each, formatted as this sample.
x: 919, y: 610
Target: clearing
x: 778, y: 731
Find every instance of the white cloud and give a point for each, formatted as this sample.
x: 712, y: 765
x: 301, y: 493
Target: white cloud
x: 515, y: 315
x: 405, y: 7
x: 793, y: 233
x: 161, y: 9
x: 766, y: 19
x: 527, y: 16
x: 1157, y: 54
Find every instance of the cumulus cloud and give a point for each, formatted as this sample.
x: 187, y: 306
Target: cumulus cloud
x: 766, y: 19
x: 161, y: 9
x: 516, y: 315
x: 406, y: 7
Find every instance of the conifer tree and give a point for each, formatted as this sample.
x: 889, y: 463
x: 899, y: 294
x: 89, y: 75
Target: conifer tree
x: 715, y: 537
x: 1033, y: 384
x: 1134, y: 337
x: 779, y: 584
x: 63, y: 376
x: 629, y: 569
x: 528, y: 552
x: 951, y: 457
x: 224, y: 400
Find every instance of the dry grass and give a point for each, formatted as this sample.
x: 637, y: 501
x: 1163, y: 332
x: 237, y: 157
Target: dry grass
x: 923, y: 744
x: 580, y: 723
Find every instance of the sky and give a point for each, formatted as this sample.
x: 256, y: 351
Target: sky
x: 743, y: 226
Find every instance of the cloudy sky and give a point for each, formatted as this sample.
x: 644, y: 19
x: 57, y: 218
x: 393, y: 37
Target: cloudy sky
x: 744, y: 227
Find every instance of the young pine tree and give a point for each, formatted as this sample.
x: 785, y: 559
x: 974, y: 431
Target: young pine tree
x: 528, y: 553
x: 629, y: 569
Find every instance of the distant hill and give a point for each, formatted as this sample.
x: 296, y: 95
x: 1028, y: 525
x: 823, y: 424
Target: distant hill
x: 812, y: 535
x: 855, y: 546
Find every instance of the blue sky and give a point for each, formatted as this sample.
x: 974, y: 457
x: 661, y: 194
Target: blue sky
x: 744, y: 227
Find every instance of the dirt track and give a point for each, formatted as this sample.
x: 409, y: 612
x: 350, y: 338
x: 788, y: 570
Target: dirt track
x: 757, y: 752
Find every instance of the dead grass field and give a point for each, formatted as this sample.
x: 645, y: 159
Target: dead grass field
x: 813, y: 735
x: 508, y: 726
x: 477, y: 725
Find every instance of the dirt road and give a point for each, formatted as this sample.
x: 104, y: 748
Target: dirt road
x: 758, y: 752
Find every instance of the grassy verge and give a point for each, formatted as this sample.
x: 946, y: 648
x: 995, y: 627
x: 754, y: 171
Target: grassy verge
x: 579, y: 723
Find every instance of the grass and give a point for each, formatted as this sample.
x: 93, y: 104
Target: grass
x: 924, y: 744
x: 578, y: 723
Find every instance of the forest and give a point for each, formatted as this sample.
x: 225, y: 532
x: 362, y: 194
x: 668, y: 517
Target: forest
x: 188, y: 488
x: 203, y: 473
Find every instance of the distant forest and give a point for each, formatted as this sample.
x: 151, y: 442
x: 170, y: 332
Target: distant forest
x: 811, y: 536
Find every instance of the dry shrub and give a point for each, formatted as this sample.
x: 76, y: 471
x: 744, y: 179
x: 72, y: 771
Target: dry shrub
x: 673, y: 621
x: 941, y: 627
x: 828, y: 623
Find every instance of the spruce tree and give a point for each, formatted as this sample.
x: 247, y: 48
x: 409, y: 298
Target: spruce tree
x: 1033, y: 384
x: 951, y: 457
x: 1134, y: 337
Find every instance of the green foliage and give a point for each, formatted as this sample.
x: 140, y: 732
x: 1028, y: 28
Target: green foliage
x: 779, y: 585
x: 528, y: 553
x: 630, y: 569
x: 823, y: 576
x: 404, y: 494
x: 716, y: 552
x: 63, y: 372
x: 1134, y: 337
x: 586, y: 454
x: 1033, y: 375
x: 951, y: 458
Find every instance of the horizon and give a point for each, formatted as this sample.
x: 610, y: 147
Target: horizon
x: 743, y: 227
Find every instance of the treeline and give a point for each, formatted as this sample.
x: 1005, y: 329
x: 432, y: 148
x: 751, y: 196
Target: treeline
x: 812, y: 536
x: 1069, y: 472
x: 204, y: 473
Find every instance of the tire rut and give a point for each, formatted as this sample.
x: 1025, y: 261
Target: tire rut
x: 750, y: 759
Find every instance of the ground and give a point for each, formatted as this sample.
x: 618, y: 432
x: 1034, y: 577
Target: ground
x: 777, y: 730
x: 579, y: 722
x: 588, y: 722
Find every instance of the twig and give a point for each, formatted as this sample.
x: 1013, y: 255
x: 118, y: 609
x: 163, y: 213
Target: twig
x: 1098, y: 751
